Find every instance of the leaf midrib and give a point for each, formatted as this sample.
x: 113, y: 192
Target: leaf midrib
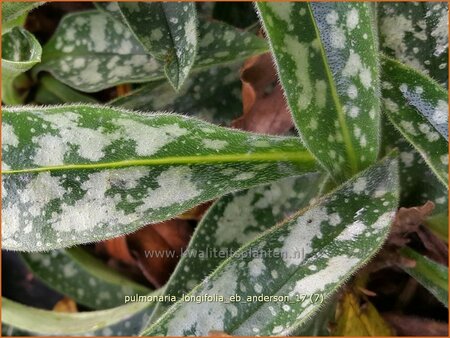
x: 340, y: 113
x: 292, y: 156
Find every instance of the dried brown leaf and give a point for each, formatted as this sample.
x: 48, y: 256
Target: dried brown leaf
x: 264, y: 106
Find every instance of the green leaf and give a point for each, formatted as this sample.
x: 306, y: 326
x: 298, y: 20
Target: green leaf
x: 51, y: 91
x: 114, y: 171
x: 82, y: 277
x: 433, y: 276
x: 20, y: 52
x: 416, y: 33
x: 418, y: 108
x: 327, y: 59
x: 103, y: 322
x: 14, y: 13
x: 112, y: 9
x: 107, y: 53
x: 213, y: 95
x: 168, y: 31
x: 235, y: 220
x: 418, y: 184
x: 309, y: 256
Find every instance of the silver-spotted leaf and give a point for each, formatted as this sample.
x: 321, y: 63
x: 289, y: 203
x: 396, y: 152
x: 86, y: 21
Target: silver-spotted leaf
x: 416, y: 33
x: 91, y: 51
x: 20, y: 52
x: 213, y: 95
x: 418, y: 183
x: 235, y: 220
x: 326, y: 54
x: 168, y: 31
x: 78, y: 173
x: 418, y: 108
x: 82, y: 277
x: 301, y: 262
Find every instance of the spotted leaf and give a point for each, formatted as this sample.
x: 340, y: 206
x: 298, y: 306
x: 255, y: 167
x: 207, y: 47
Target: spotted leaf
x: 303, y: 260
x: 418, y: 183
x: 327, y: 59
x: 82, y: 277
x: 91, y: 51
x: 213, y: 95
x: 20, y: 52
x: 431, y: 275
x: 114, y: 171
x: 168, y: 31
x: 416, y: 33
x: 122, y: 320
x: 418, y: 108
x: 233, y: 221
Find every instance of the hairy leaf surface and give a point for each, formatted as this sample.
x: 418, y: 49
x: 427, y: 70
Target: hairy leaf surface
x: 416, y: 33
x: 433, y: 276
x: 310, y: 254
x: 91, y: 51
x: 327, y: 58
x: 82, y: 277
x: 20, y: 52
x: 418, y: 108
x: 235, y: 220
x: 168, y: 31
x: 114, y: 171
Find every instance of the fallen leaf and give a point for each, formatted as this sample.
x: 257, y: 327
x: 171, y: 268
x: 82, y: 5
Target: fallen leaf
x: 116, y: 248
x: 356, y: 316
x: 416, y: 326
x: 264, y: 105
x: 157, y: 248
x: 66, y: 305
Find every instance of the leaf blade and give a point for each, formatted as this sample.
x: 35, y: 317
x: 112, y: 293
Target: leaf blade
x: 433, y: 276
x: 168, y: 31
x: 315, y: 43
x: 125, y: 170
x: 101, y: 287
x: 321, y: 268
x: 130, y: 62
x: 418, y: 108
x: 20, y: 52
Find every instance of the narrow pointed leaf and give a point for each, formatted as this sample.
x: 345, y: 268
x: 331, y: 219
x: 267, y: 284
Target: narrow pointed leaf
x: 418, y: 108
x: 327, y: 59
x: 75, y: 174
x: 82, y: 277
x: 418, y: 183
x: 306, y: 259
x: 20, y: 52
x: 235, y: 220
x: 213, y: 95
x: 91, y: 51
x: 168, y: 31
x: 14, y: 13
x: 416, y: 33
x: 433, y: 276
x: 103, y: 322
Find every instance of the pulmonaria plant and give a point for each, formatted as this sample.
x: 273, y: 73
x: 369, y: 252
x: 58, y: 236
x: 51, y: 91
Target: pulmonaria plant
x: 366, y: 87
